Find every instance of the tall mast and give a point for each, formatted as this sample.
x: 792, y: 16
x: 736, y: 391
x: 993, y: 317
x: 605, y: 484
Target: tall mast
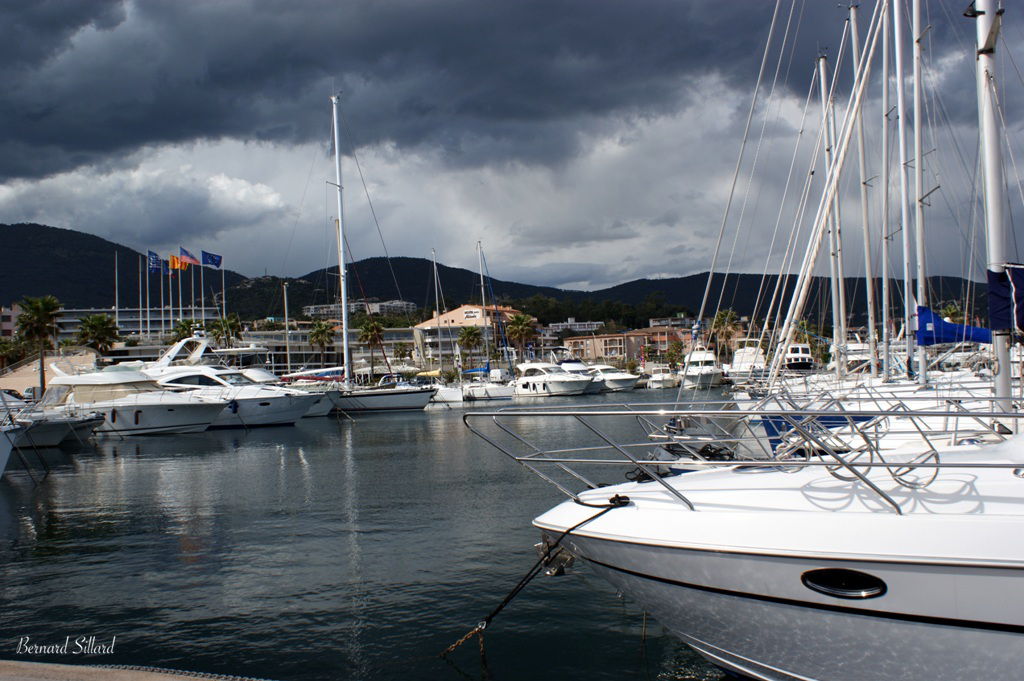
x: 340, y: 223
x: 117, y: 303
x: 901, y: 140
x: 483, y: 300
x: 869, y: 280
x: 922, y: 287
x: 287, y: 332
x: 838, y: 337
x: 437, y: 307
x: 988, y: 20
x: 886, y: 349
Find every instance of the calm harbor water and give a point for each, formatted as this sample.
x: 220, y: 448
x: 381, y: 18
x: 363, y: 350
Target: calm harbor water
x: 331, y: 550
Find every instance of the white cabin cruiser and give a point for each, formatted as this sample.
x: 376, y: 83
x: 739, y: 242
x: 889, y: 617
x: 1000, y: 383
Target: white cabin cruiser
x: 700, y: 369
x: 563, y: 357
x: 798, y: 358
x: 748, y: 361
x: 248, y: 403
x: 545, y: 379
x: 661, y: 376
x: 612, y: 379
x: 497, y: 385
x: 131, y: 403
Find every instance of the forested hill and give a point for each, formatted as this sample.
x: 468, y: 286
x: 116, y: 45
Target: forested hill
x: 78, y: 268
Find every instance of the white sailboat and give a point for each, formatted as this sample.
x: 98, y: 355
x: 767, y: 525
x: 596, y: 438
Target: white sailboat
x: 351, y: 398
x: 834, y: 563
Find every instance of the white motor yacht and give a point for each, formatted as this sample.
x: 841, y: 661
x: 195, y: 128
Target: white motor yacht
x: 700, y: 369
x: 46, y: 428
x: 131, y: 403
x: 661, y: 376
x: 799, y: 359
x: 496, y: 385
x: 748, y: 361
x: 248, y: 403
x: 545, y: 379
x: 612, y: 379
x: 563, y: 357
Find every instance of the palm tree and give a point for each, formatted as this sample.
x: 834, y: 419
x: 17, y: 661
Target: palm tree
x: 371, y: 333
x: 226, y: 329
x: 520, y: 329
x: 37, y: 324
x: 724, y: 326
x: 182, y: 329
x: 98, y: 331
x: 11, y: 350
x: 470, y: 337
x: 321, y: 334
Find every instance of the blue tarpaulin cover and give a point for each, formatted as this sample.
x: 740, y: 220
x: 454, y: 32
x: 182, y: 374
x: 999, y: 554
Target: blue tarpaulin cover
x: 1006, y: 299
x: 932, y: 329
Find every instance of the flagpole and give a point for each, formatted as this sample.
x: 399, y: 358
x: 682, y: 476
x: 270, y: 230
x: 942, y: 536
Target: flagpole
x: 148, y: 331
x: 223, y: 293
x: 192, y: 284
x: 140, y: 296
x: 181, y: 306
x: 163, y: 310
x: 202, y: 292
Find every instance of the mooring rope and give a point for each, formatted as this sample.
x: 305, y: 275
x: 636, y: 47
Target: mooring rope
x: 616, y: 501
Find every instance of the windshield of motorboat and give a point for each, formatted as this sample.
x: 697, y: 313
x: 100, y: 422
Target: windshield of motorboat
x: 54, y: 395
x: 235, y: 378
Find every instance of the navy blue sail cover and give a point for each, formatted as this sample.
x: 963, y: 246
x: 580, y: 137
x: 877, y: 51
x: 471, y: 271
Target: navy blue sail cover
x: 932, y: 330
x: 1006, y: 299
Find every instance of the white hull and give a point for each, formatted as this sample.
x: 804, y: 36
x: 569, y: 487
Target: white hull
x: 43, y: 433
x: 274, y: 410
x: 751, y: 614
x: 472, y: 392
x: 151, y: 419
x: 448, y: 394
x: 663, y: 381
x: 550, y: 388
x: 617, y: 385
x: 703, y: 378
x: 383, y: 399
x: 322, y: 407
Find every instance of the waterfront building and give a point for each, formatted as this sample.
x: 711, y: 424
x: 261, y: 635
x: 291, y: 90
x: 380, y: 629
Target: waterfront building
x: 608, y: 346
x: 571, y: 324
x: 391, y: 308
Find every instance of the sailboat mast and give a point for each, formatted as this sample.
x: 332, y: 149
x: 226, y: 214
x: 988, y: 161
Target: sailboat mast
x: 342, y: 293
x: 869, y: 280
x: 987, y: 17
x: 922, y: 287
x: 483, y: 299
x: 437, y: 308
x: 886, y: 345
x: 901, y: 140
x: 838, y: 341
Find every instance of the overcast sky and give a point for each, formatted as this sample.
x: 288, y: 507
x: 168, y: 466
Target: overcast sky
x: 584, y: 143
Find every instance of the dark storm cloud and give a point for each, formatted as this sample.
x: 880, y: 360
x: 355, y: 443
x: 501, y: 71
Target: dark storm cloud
x: 485, y: 82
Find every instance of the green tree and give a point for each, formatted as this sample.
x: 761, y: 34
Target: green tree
x: 371, y: 333
x: 953, y: 312
x: 11, y: 351
x: 182, y: 329
x: 226, y: 330
x: 321, y: 335
x: 37, y: 324
x: 724, y: 327
x: 674, y: 353
x: 520, y: 330
x: 470, y: 338
x: 98, y: 331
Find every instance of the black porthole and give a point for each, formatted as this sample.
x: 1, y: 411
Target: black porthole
x: 843, y: 583
x: 264, y: 404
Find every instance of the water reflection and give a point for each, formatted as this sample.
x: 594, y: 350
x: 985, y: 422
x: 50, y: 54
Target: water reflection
x: 333, y: 549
